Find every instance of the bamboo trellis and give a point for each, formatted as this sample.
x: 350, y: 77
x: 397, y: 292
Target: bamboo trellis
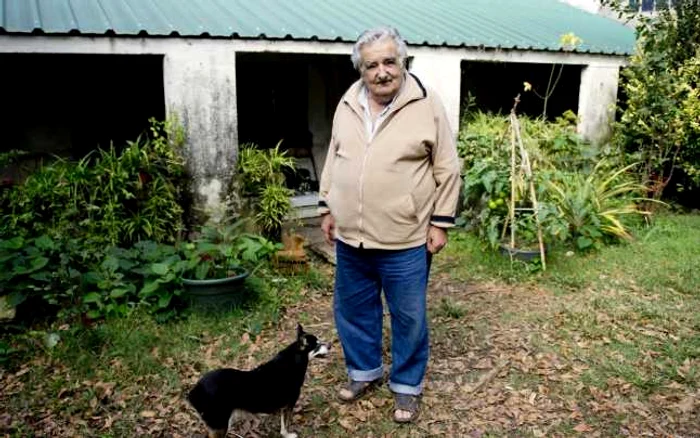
x: 521, y: 174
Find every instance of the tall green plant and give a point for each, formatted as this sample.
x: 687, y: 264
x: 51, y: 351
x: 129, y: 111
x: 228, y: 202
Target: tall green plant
x: 259, y: 168
x: 262, y: 174
x: 273, y: 206
x: 594, y: 208
x: 114, y: 196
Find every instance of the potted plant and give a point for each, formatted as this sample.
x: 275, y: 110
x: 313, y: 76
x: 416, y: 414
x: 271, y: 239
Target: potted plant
x: 218, y: 262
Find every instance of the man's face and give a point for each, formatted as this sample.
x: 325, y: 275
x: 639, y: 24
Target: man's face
x: 381, y: 69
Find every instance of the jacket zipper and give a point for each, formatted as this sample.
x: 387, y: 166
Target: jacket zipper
x: 361, y: 188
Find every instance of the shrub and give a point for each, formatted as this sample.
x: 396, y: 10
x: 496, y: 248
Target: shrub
x: 99, y: 282
x: 98, y: 237
x: 659, y: 126
x: 110, y: 196
x: 585, y: 195
x: 592, y: 208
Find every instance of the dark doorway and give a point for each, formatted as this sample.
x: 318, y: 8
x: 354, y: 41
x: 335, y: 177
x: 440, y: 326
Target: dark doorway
x: 70, y: 104
x: 291, y: 98
x: 492, y: 87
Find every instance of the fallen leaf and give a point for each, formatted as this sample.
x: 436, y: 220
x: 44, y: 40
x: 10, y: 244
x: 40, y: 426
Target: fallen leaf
x: 484, y: 364
x: 686, y: 405
x: 583, y: 427
x: 148, y: 414
x: 347, y: 424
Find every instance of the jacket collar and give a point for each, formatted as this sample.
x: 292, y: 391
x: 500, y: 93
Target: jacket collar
x: 412, y: 89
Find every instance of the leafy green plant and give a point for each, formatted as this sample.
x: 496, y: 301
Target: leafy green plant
x: 486, y: 188
x: 583, y: 192
x: 261, y: 173
x: 112, y: 196
x: 35, y: 267
x: 259, y: 168
x: 222, y: 250
x: 273, y: 206
x: 93, y: 282
x: 6, y: 352
x: 73, y: 279
x: 595, y: 206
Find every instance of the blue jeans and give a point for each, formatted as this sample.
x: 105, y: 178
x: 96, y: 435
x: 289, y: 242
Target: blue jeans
x: 361, y: 274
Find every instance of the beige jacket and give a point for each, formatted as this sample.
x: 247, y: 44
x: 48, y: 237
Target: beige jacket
x: 385, y: 192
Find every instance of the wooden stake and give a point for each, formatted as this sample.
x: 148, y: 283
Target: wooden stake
x: 533, y: 193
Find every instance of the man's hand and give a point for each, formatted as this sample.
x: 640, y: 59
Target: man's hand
x: 437, y: 239
x: 328, y: 228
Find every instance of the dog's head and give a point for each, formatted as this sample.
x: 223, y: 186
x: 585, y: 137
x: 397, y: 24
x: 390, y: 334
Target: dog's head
x: 310, y: 344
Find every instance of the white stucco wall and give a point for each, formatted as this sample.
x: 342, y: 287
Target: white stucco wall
x: 200, y: 87
x: 597, y: 100
x: 442, y: 72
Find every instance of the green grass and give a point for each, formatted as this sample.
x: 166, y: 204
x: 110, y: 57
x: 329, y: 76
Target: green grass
x: 663, y: 256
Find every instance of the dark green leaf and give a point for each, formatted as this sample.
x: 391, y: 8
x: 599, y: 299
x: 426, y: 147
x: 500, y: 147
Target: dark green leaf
x: 92, y: 297
x: 44, y: 243
x: 164, y: 301
x: 149, y: 288
x: 160, y: 268
x: 118, y: 293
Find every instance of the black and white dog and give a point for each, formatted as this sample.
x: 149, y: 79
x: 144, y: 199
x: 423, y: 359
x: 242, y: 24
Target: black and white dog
x: 271, y: 387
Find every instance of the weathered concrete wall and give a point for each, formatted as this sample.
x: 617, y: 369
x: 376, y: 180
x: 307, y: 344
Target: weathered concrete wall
x: 597, y: 100
x: 200, y: 90
x: 443, y: 73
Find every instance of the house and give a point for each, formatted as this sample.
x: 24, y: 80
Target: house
x: 78, y: 73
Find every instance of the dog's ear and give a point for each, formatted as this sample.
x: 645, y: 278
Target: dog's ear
x: 301, y: 337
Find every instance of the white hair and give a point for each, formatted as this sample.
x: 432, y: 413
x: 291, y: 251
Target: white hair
x: 373, y: 35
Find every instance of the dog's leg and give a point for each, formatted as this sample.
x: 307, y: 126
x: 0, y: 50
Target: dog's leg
x: 217, y: 433
x: 283, y: 423
x: 236, y: 417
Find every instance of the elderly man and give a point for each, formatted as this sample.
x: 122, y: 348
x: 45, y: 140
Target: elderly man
x: 389, y: 190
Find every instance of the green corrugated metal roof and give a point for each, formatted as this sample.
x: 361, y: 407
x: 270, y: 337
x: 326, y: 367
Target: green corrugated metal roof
x: 507, y: 24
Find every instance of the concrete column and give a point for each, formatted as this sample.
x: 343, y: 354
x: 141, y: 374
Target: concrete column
x: 597, y: 101
x: 443, y: 73
x: 200, y: 90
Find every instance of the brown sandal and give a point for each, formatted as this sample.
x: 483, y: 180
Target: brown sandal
x: 357, y: 389
x: 408, y: 403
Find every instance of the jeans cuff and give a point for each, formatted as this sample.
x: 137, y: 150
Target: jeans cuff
x: 399, y: 388
x: 366, y: 376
